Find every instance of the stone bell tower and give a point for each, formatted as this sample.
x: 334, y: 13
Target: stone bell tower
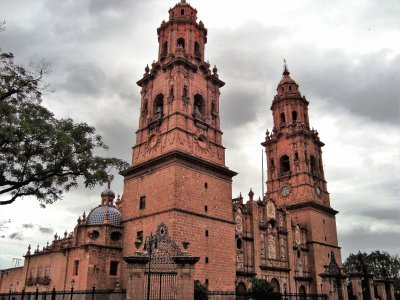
x: 297, y: 182
x: 178, y: 174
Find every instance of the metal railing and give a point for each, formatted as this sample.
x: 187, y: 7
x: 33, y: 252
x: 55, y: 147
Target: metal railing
x: 92, y: 294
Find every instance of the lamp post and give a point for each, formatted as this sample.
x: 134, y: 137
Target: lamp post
x: 72, y: 287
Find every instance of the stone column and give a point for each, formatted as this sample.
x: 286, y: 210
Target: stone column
x: 356, y: 285
x: 381, y: 289
x: 185, y: 276
x: 135, y: 276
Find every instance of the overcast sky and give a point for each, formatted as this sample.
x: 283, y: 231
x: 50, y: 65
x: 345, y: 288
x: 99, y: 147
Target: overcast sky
x: 345, y: 55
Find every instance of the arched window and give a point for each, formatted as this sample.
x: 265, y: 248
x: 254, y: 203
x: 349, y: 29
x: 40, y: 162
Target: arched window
x: 313, y: 165
x: 296, y: 156
x: 294, y: 116
x: 198, y: 105
x: 181, y: 42
x: 239, y: 244
x: 284, y: 165
x: 158, y: 106
x: 164, y: 49
x: 275, y: 285
x: 282, y: 119
x: 197, y: 52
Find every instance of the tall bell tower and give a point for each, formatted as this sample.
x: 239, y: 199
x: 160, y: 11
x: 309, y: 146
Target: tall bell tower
x: 296, y: 178
x: 178, y: 174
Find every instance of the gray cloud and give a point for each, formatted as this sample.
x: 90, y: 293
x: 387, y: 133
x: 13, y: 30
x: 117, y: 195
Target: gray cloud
x: 27, y: 225
x: 16, y: 236
x: 45, y: 229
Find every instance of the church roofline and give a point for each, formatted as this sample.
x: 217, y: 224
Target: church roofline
x: 312, y: 204
x: 180, y: 156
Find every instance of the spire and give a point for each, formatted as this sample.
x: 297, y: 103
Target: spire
x: 285, y: 68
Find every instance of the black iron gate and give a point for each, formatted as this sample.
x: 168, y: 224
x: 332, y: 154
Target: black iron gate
x: 160, y: 283
x: 162, y: 286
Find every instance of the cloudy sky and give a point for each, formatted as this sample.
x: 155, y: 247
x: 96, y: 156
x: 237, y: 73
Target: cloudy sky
x: 345, y: 55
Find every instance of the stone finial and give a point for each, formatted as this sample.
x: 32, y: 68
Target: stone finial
x: 251, y: 194
x: 84, y: 216
x: 147, y: 69
x: 29, y: 250
x: 65, y: 234
x: 55, y: 237
x: 215, y: 70
x: 79, y: 220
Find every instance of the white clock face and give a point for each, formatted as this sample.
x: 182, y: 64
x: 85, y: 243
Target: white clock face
x: 318, y: 190
x: 285, y: 191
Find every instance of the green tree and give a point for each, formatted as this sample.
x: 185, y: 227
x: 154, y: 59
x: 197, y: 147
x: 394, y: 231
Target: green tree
x: 40, y: 155
x: 200, y: 291
x: 380, y: 264
x: 259, y: 288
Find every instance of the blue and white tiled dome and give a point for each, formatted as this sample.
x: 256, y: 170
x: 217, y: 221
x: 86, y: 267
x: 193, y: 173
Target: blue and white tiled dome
x: 98, y: 215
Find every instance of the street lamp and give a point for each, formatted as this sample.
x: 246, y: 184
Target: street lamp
x: 72, y: 287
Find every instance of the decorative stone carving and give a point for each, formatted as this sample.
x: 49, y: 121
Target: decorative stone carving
x: 239, y: 227
x: 271, y: 245
x: 271, y: 210
x: 262, y: 244
x: 297, y: 235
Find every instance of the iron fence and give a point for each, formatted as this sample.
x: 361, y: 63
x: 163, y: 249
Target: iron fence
x: 92, y: 294
x: 218, y: 295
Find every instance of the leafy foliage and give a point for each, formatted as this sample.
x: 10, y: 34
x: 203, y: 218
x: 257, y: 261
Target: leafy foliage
x: 200, y: 291
x: 41, y: 155
x: 259, y: 288
x: 379, y: 264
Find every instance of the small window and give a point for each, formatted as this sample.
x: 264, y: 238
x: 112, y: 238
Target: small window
x: 239, y: 244
x: 298, y: 253
x: 32, y: 274
x: 181, y: 42
x: 139, y: 236
x: 325, y: 239
x: 282, y: 119
x: 323, y: 221
x: 206, y: 232
x: 313, y: 165
x: 114, y: 268
x: 284, y: 165
x: 182, y: 12
x: 205, y: 208
x: 198, y: 105
x: 116, y: 235
x: 290, y: 87
x: 206, y: 260
x: 39, y: 272
x: 206, y: 282
x: 205, y: 185
x: 47, y: 272
x: 76, y: 267
x: 296, y: 156
x: 294, y: 116
x: 165, y: 49
x: 142, y: 204
x: 158, y: 105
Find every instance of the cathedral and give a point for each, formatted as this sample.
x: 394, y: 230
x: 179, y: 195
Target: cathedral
x: 178, y: 178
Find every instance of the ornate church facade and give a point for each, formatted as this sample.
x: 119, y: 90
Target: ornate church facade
x: 178, y: 177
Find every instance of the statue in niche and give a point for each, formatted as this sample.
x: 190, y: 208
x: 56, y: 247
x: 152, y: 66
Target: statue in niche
x: 271, y: 245
x: 283, y: 252
x: 297, y: 236
x: 262, y: 245
x: 239, y: 260
x: 260, y: 214
x: 270, y: 210
x: 281, y: 220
